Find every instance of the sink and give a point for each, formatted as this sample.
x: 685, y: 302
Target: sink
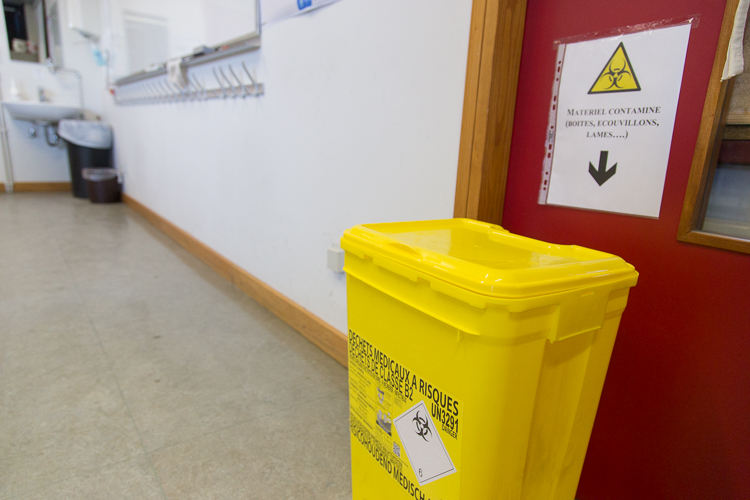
x: 41, y: 112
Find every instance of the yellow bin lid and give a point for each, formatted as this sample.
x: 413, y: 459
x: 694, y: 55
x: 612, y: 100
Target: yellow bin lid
x: 485, y: 258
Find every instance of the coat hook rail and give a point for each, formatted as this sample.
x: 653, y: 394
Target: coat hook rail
x: 230, y: 82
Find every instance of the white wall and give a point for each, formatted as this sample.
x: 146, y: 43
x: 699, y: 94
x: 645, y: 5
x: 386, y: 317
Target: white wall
x: 360, y: 123
x: 183, y: 24
x: 33, y: 160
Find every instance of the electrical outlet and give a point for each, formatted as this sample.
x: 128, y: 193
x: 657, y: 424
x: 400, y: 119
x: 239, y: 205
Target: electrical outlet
x: 336, y: 260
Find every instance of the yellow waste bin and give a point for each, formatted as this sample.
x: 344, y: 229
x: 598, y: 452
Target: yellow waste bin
x: 476, y: 359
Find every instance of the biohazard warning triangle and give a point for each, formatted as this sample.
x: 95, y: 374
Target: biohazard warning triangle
x: 617, y: 75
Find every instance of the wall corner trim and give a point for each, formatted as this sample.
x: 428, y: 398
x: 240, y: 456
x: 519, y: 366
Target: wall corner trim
x: 326, y: 337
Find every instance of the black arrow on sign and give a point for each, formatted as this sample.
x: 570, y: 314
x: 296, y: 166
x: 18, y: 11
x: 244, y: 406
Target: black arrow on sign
x: 602, y: 175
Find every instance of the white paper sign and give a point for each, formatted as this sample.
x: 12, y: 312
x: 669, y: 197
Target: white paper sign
x: 612, y: 120
x: 276, y: 10
x: 423, y: 445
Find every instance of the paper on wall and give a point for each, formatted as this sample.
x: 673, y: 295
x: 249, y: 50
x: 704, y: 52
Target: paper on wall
x: 276, y: 10
x: 611, y: 121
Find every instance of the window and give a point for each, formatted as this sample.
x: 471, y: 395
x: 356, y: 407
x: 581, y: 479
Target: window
x: 716, y: 211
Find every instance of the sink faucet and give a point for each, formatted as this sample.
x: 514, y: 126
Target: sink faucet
x: 42, y: 97
x: 54, y: 69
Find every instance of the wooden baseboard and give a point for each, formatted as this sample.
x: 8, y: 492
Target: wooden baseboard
x: 317, y: 331
x: 38, y: 187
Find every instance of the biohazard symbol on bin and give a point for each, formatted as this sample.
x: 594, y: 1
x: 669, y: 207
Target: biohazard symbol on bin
x: 422, y: 427
x: 617, y: 75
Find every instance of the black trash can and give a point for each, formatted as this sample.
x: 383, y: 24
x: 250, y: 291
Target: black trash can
x: 89, y: 146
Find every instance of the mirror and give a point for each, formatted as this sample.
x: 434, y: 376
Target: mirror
x: 25, y: 28
x: 28, y: 39
x: 147, y: 33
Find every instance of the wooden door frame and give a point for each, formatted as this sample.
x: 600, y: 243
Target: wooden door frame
x: 495, y: 41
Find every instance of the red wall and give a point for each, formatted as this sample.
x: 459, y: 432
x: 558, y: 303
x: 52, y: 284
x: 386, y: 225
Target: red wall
x: 674, y: 418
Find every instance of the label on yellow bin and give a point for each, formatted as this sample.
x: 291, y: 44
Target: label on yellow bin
x: 426, y: 452
x: 409, y: 426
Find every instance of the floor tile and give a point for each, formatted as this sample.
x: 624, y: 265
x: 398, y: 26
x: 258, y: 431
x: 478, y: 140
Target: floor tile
x: 129, y: 480
x: 213, y: 374
x: 35, y: 285
x: 62, y: 414
x: 42, y: 306
x: 129, y: 368
x: 32, y: 211
x: 299, y: 453
x: 29, y: 248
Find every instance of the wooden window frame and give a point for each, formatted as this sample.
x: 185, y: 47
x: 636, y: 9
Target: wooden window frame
x: 706, y: 154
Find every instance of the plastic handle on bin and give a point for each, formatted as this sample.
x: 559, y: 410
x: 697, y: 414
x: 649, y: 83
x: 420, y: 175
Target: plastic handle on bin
x: 405, y: 249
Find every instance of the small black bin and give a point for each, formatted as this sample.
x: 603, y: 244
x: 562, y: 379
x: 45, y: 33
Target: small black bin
x: 103, y: 184
x: 89, y: 146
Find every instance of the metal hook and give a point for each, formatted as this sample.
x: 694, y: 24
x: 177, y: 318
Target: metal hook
x: 159, y: 90
x: 201, y: 88
x: 221, y: 84
x: 174, y: 91
x: 149, y: 92
x: 231, y: 85
x: 167, y: 92
x: 242, y: 85
x: 256, y: 87
x: 184, y: 82
x: 185, y: 86
x: 155, y: 92
x: 191, y: 89
x: 181, y: 92
x: 164, y: 92
x: 177, y: 91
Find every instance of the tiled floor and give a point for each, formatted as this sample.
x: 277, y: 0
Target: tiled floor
x: 128, y: 369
